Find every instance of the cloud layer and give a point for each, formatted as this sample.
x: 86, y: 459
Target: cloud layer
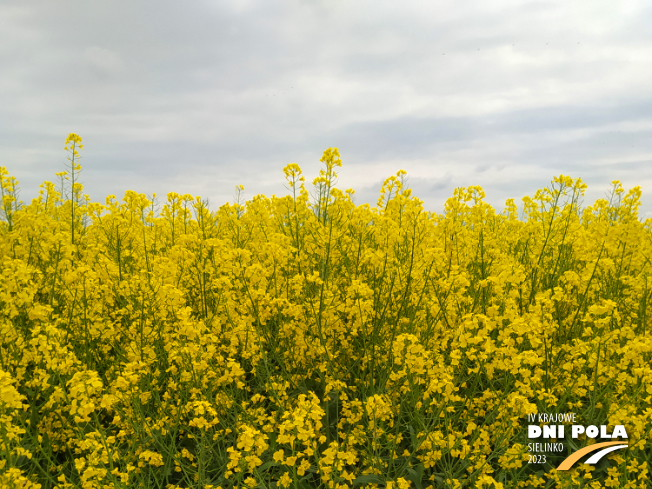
x: 198, y: 97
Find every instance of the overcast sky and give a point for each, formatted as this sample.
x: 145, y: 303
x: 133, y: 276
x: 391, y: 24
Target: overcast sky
x: 200, y: 96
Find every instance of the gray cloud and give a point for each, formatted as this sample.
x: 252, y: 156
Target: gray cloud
x: 198, y: 97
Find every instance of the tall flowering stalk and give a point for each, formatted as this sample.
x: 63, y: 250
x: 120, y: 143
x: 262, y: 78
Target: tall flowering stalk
x: 73, y: 146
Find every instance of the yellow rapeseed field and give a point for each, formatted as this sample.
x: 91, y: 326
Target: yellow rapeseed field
x: 303, y: 341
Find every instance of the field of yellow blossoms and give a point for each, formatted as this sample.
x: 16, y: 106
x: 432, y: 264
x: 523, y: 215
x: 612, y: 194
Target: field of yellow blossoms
x: 303, y: 341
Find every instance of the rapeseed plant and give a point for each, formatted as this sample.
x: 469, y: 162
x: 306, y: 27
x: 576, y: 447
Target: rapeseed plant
x: 297, y: 343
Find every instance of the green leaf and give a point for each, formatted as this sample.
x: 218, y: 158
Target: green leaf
x: 368, y: 479
x: 413, y: 438
x: 267, y: 465
x: 415, y: 477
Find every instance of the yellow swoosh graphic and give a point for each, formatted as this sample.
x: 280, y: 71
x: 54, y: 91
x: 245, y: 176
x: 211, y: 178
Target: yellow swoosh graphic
x: 571, y: 459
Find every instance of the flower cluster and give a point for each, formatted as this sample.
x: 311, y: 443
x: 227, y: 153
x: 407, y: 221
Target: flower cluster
x: 312, y: 342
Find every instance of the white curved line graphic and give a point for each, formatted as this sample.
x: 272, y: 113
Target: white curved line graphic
x: 597, y: 456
